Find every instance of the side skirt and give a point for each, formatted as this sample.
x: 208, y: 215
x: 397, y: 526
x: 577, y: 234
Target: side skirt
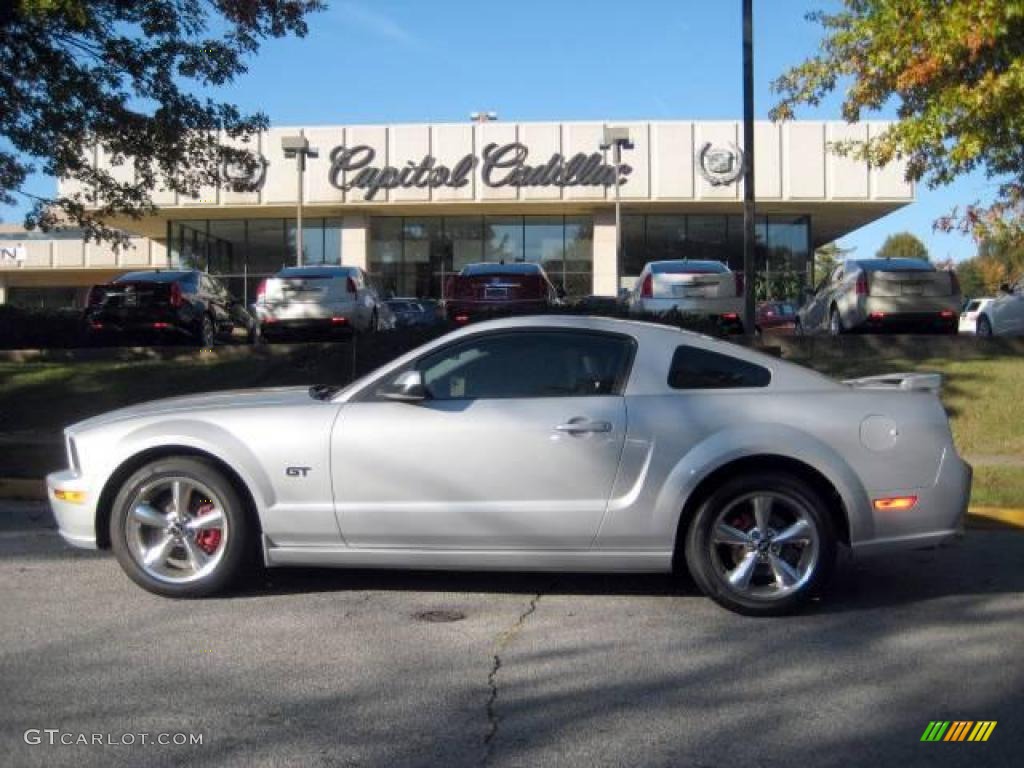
x: 589, y: 561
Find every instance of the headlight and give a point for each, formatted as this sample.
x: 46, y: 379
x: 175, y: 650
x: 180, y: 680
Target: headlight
x: 72, y: 454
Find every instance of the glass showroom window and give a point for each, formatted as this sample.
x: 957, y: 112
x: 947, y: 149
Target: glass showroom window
x: 415, y: 256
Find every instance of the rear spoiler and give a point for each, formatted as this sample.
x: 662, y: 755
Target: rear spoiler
x: 929, y: 382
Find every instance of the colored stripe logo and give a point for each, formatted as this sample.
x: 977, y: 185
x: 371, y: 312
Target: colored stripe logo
x: 958, y: 730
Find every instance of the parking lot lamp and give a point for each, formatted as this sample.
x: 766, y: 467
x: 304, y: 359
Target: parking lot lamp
x: 616, y: 138
x: 298, y: 147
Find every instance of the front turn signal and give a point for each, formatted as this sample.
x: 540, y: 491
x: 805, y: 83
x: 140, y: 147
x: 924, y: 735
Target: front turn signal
x: 895, y: 503
x: 71, y: 497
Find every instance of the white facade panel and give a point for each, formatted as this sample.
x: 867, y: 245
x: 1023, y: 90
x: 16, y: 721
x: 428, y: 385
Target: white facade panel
x: 768, y: 160
x: 499, y: 134
x: 672, y: 161
x: 68, y: 253
x: 717, y: 135
x: 583, y: 138
x: 889, y: 183
x: 407, y: 146
x: 449, y: 144
x: 804, y: 163
x: 638, y: 181
x: 543, y: 140
x: 318, y: 185
x: 245, y: 197
x: 848, y: 177
x: 376, y: 137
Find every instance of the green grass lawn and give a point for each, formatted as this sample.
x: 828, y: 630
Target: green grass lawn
x: 984, y: 397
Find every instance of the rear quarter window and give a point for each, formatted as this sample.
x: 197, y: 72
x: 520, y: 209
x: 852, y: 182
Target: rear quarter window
x: 695, y: 368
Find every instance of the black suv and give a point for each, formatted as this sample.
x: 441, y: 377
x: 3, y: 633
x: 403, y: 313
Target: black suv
x: 166, y: 304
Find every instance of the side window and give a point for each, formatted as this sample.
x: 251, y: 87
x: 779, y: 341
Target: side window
x: 694, y: 368
x: 529, y: 364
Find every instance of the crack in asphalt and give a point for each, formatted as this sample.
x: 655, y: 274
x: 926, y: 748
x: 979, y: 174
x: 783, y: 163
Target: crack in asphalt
x: 493, y: 720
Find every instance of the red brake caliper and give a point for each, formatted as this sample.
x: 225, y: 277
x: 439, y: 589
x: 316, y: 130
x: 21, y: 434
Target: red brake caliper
x: 208, y: 539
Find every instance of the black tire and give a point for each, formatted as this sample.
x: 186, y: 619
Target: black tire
x: 835, y: 322
x: 225, y: 565
x: 983, y: 327
x: 706, y: 556
x: 207, y: 334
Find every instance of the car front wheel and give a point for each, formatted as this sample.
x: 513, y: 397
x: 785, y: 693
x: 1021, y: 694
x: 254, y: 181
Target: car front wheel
x: 761, y: 545
x: 178, y: 528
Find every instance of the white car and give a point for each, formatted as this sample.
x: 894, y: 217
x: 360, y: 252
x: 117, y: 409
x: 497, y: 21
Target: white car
x: 969, y: 317
x: 1004, y: 315
x: 707, y: 288
x: 529, y: 443
x: 308, y: 299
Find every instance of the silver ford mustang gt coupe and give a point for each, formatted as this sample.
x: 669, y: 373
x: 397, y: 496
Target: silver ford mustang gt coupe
x: 533, y: 443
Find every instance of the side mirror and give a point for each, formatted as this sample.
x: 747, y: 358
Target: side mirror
x: 405, y: 388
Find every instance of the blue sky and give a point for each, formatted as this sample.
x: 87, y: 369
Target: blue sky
x: 415, y: 61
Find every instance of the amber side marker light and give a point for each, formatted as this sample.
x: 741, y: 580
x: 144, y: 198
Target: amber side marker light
x: 895, y: 503
x: 71, y: 497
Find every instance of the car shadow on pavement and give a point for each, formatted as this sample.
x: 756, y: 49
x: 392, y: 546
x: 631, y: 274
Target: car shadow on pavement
x: 990, y: 565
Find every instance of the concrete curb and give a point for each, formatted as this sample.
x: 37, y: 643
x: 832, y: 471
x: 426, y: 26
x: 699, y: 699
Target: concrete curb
x: 981, y: 518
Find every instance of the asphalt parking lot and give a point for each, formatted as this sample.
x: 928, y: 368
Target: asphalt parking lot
x: 334, y: 668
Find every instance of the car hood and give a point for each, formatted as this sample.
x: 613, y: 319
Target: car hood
x: 228, y: 399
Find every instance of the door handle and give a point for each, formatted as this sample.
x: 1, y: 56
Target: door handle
x: 574, y: 427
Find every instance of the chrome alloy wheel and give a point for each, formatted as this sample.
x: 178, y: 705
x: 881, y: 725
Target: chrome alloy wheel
x: 177, y: 530
x: 765, y: 545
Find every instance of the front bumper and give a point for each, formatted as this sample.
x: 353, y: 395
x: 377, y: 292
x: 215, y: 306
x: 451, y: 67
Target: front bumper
x: 76, y: 522
x: 937, y: 517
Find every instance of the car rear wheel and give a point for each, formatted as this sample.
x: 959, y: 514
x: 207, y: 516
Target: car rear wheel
x: 761, y: 545
x: 984, y: 326
x: 178, y: 528
x: 207, y: 333
x: 835, y: 323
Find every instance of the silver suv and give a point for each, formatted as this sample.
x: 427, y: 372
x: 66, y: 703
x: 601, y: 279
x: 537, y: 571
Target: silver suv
x: 324, y: 298
x: 907, y: 295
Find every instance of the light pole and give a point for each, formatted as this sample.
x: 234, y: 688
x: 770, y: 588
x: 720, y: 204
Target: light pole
x: 748, y: 168
x: 616, y: 138
x: 298, y: 147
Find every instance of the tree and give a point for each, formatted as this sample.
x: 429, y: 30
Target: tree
x: 119, y: 74
x: 954, y: 70
x: 826, y: 258
x: 903, y: 245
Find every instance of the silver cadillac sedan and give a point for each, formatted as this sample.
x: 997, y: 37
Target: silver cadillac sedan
x: 533, y: 443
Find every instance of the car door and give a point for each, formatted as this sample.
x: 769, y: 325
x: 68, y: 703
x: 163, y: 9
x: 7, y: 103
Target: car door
x: 814, y: 314
x: 516, y: 446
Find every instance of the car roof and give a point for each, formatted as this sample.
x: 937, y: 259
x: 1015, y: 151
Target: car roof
x: 157, y: 275
x: 894, y: 265
x: 707, y: 264
x: 494, y: 268
x: 325, y: 270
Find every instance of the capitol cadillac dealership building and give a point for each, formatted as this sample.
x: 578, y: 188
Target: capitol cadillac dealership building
x: 414, y: 203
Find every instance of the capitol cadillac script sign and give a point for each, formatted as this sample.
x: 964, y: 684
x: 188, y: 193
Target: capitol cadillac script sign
x: 501, y: 165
